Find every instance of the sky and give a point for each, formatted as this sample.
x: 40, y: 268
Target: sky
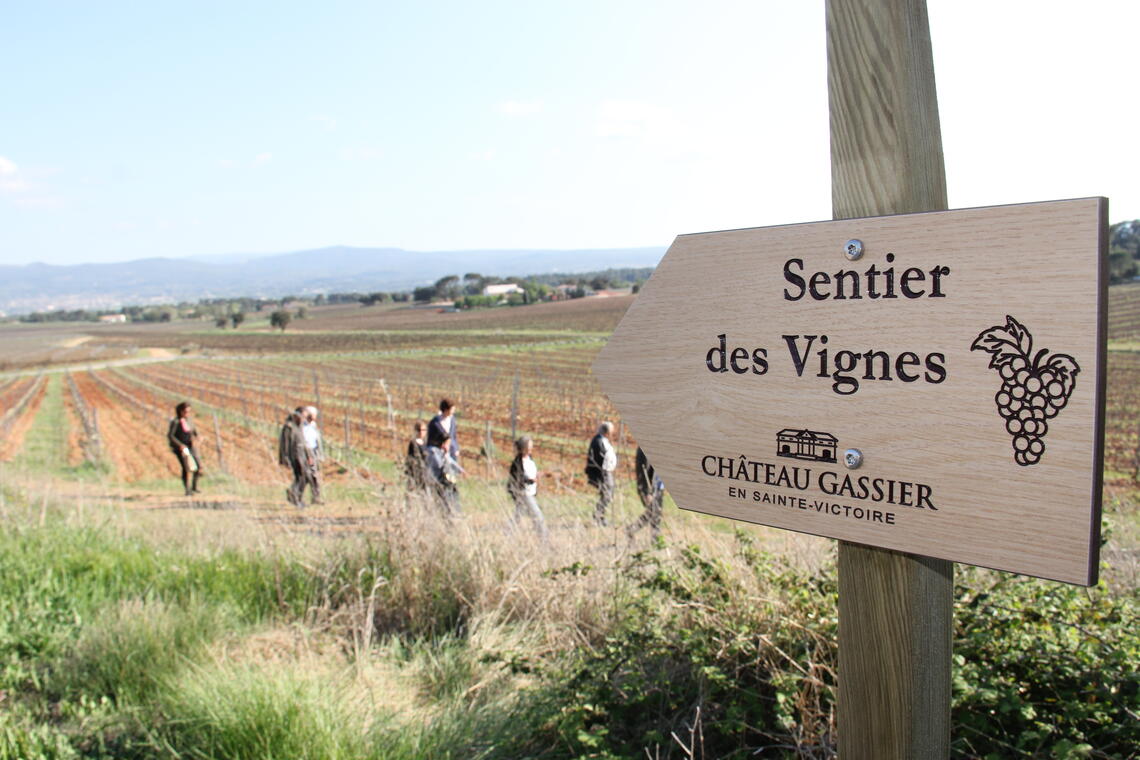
x: 140, y: 129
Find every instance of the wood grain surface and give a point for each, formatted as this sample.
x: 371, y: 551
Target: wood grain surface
x: 932, y: 429
x: 895, y: 609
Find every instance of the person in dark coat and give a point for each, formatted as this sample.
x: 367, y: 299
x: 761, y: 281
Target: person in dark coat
x: 601, y: 461
x: 415, y: 465
x: 293, y: 453
x: 651, y: 491
x: 182, y: 437
x: 443, y: 426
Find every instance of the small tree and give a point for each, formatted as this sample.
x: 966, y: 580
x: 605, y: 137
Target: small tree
x: 237, y: 318
x: 302, y: 312
x: 280, y: 319
x: 221, y: 323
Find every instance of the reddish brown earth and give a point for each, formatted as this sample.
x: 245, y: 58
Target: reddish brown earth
x: 12, y: 439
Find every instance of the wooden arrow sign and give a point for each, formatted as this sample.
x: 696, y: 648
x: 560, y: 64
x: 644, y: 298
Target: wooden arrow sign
x: 931, y: 383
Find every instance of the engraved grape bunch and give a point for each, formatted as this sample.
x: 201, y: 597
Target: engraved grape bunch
x: 1034, y: 388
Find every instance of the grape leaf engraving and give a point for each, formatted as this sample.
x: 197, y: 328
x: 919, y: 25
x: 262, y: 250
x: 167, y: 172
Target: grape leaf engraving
x: 1035, y: 387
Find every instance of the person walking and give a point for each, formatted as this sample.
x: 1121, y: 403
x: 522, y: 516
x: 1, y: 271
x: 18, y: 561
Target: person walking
x: 601, y: 461
x: 182, y: 437
x: 415, y: 465
x: 293, y: 453
x: 315, y: 452
x: 443, y: 424
x: 444, y: 472
x: 522, y: 485
x: 651, y: 491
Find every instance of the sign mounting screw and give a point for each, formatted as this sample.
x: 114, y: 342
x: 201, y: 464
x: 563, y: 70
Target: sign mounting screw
x: 853, y: 249
x: 853, y: 458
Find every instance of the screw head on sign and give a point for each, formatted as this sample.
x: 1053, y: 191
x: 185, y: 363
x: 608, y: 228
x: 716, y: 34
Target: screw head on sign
x: 853, y: 458
x: 853, y: 249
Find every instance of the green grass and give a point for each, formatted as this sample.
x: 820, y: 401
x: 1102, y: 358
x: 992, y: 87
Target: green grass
x: 45, y: 444
x: 460, y: 641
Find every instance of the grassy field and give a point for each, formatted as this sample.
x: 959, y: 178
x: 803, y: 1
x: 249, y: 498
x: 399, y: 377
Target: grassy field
x: 138, y: 623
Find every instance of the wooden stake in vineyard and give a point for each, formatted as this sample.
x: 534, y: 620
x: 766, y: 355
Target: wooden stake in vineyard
x: 489, y: 450
x: 218, y: 445
x: 515, y: 409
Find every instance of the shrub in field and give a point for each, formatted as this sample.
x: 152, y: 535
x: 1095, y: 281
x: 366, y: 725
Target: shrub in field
x: 127, y: 649
x: 1044, y: 669
x: 700, y: 666
x: 254, y: 713
x: 24, y: 741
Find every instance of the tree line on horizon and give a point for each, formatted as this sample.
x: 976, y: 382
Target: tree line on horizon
x: 1124, y: 251
x: 465, y: 292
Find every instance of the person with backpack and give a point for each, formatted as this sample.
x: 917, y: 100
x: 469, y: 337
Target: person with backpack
x: 293, y: 453
x: 444, y: 473
x: 601, y: 461
x: 651, y: 491
x: 182, y: 437
x: 522, y: 485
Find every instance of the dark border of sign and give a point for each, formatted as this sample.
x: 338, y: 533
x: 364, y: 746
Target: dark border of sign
x: 1101, y: 390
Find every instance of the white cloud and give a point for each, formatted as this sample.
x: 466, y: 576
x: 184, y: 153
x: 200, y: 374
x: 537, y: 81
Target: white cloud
x: 326, y: 121
x: 635, y: 119
x: 10, y: 179
x: 517, y: 108
x: 362, y: 153
x: 258, y: 160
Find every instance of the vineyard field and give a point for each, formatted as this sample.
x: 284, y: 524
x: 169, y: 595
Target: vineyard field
x: 371, y: 386
x: 118, y: 414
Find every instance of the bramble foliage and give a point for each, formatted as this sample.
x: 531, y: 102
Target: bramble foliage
x: 1044, y: 669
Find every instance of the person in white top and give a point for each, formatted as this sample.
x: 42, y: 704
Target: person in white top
x: 601, y: 461
x: 522, y: 484
x: 312, y: 435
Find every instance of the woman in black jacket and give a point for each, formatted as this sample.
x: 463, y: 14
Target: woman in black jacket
x: 182, y: 436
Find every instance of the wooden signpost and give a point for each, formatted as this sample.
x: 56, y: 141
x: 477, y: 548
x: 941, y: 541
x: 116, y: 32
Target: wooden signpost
x: 926, y: 386
x: 936, y: 391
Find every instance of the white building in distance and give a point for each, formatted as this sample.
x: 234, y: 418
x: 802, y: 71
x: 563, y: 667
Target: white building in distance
x: 501, y: 290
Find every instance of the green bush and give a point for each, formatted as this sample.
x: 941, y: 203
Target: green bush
x: 1044, y: 669
x: 699, y: 665
x: 19, y: 741
x: 255, y: 713
x: 128, y: 648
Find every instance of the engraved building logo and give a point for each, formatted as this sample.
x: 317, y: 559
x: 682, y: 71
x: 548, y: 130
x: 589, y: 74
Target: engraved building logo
x: 806, y: 444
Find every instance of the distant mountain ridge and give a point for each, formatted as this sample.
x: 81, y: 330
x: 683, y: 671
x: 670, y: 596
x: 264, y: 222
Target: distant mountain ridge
x: 45, y: 287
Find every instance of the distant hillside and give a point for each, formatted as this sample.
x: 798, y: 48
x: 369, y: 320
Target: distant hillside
x: 42, y: 287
